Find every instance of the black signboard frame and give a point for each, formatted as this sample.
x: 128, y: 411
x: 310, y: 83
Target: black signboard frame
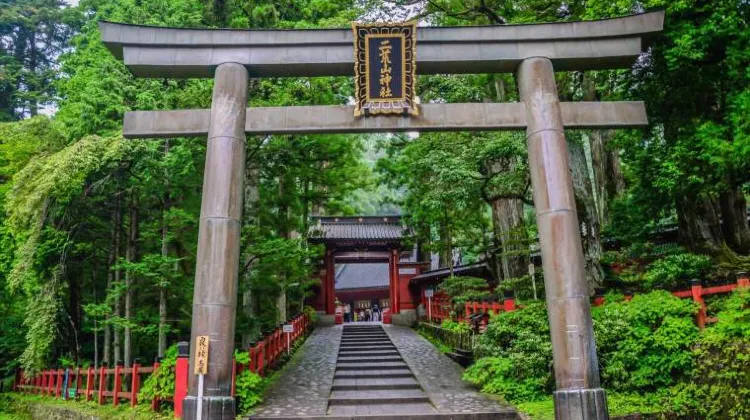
x: 403, y: 70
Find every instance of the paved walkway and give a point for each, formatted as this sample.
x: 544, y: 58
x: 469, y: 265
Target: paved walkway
x: 306, y: 387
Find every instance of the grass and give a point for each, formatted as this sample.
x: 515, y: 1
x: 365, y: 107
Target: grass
x: 14, y: 407
x: 619, y: 405
x: 435, y: 342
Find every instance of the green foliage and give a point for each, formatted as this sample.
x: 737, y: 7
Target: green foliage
x: 644, y: 266
x: 462, y: 289
x: 645, y: 344
x: 516, y: 355
x: 454, y: 326
x: 719, y: 385
x: 248, y: 385
x: 161, y: 383
x: 674, y: 271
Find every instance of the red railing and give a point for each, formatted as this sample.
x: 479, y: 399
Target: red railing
x: 441, y: 307
x: 122, y: 384
x: 117, y: 384
x: 696, y: 292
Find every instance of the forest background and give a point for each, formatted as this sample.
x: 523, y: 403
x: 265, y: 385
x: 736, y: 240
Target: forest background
x: 98, y: 233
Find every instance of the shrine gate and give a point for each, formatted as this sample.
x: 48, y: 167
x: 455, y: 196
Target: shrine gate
x: 363, y: 240
x: 532, y: 52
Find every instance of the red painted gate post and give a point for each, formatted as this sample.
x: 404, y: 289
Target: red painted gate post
x: 251, y: 351
x: 509, y: 302
x: 58, y: 386
x: 697, y: 288
x: 181, y: 377
x: 155, y: 400
x: 102, y: 383
x: 43, y: 383
x: 117, y: 383
x: 78, y: 381
x: 89, y: 382
x: 743, y: 281
x: 135, y: 383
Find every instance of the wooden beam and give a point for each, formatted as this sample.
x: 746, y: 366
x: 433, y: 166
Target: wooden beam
x: 340, y: 119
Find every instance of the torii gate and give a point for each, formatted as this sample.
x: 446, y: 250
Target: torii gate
x: 533, y: 52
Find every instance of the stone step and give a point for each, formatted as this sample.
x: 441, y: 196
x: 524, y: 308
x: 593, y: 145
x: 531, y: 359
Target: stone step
x: 417, y: 411
x: 348, y: 330
x: 365, y: 348
x: 369, y: 358
x: 365, y: 337
x: 371, y: 366
x: 364, y: 384
x: 382, y: 396
x: 366, y: 343
x: 361, y: 336
x: 366, y: 340
x: 411, y: 411
x: 382, y: 374
x: 368, y: 352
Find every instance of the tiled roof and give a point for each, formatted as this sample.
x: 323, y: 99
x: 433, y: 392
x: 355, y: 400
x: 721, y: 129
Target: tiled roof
x: 479, y: 269
x: 379, y: 228
x: 362, y: 276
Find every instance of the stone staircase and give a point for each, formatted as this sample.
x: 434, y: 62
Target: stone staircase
x: 372, y: 379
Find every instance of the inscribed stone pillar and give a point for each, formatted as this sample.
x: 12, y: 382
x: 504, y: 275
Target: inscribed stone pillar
x: 393, y: 283
x: 330, y: 282
x: 215, y: 295
x: 578, y: 394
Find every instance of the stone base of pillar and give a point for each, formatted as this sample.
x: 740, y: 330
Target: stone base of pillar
x: 407, y: 318
x: 325, y: 320
x: 214, y: 408
x: 581, y: 404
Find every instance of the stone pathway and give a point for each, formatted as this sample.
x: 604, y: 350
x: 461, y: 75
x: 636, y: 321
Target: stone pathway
x: 304, y: 384
x: 378, y: 373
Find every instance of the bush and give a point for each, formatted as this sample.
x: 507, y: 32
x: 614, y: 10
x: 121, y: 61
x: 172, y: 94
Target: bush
x: 161, y: 383
x: 674, y: 271
x: 719, y: 386
x: 645, y: 344
x: 517, y: 355
x: 454, y: 326
x: 464, y: 289
x: 249, y: 386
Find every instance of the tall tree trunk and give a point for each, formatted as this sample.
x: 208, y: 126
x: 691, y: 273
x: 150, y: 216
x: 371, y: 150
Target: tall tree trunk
x: 249, y: 219
x: 96, y: 324
x: 509, y: 227
x: 510, y: 238
x: 74, y: 314
x: 698, y: 222
x: 116, y: 278
x: 734, y: 220
x: 131, y: 256
x: 448, y: 240
x: 32, y: 87
x: 608, y: 178
x: 587, y: 214
x: 164, y: 253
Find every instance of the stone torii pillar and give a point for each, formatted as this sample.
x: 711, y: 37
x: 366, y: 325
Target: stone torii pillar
x: 579, y: 394
x: 217, y: 266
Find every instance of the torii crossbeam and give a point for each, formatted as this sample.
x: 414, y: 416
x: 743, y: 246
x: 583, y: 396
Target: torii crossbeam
x: 533, y: 52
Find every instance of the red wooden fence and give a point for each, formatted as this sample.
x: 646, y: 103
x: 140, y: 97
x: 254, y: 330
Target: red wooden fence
x: 121, y: 384
x: 697, y: 292
x: 441, y: 306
